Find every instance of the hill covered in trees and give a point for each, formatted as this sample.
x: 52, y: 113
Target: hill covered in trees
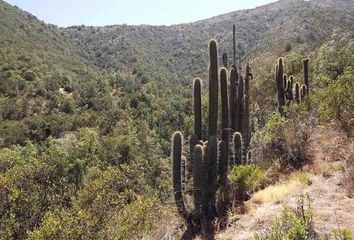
x: 87, y: 113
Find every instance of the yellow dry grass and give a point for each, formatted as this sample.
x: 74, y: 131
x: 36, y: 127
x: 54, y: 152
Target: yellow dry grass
x: 276, y: 193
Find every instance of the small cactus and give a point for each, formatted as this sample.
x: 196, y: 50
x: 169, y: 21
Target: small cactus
x: 286, y: 89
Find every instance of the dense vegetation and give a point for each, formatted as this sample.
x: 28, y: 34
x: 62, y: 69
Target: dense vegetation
x: 87, y: 112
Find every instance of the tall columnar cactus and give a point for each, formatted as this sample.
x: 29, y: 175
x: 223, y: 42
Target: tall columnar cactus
x: 177, y: 142
x: 209, y: 159
x: 279, y: 75
x: 297, y: 92
x: 213, y: 89
x: 285, y: 84
x: 197, y: 102
x: 225, y: 109
x: 306, y: 73
x: 239, y: 104
x: 233, y: 96
x: 224, y: 59
x: 290, y: 88
x: 246, y: 133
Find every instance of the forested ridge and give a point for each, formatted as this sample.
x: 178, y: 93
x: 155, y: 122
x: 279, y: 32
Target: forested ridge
x: 87, y: 113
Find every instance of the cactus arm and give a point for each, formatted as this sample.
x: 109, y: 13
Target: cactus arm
x: 233, y: 94
x: 212, y: 173
x: 224, y: 200
x: 239, y: 105
x: 306, y: 73
x: 197, y: 102
x: 177, y: 142
x: 297, y: 92
x: 213, y: 89
x: 198, y: 178
x: 280, y: 87
x: 238, y: 148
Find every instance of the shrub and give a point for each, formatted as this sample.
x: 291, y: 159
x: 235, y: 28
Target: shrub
x: 336, y: 102
x: 245, y: 179
x: 29, y: 75
x: 68, y: 105
x: 298, y: 224
x: 293, y: 223
x: 304, y: 178
x: 288, y: 47
x: 285, y: 141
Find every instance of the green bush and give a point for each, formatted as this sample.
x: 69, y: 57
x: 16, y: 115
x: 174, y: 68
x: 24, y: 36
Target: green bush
x: 298, y: 224
x: 245, y: 179
x: 285, y: 140
x: 293, y: 223
x: 335, y: 102
x: 29, y: 75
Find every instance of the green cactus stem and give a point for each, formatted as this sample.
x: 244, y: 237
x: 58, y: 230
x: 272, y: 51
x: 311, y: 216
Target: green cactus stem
x: 279, y: 81
x: 306, y: 73
x: 197, y: 102
x: 297, y: 92
x: 177, y: 142
x: 199, y: 178
x: 213, y: 89
x: 246, y: 109
x: 224, y: 59
x: 233, y: 95
x: 238, y: 148
x: 303, y: 92
x: 239, y: 104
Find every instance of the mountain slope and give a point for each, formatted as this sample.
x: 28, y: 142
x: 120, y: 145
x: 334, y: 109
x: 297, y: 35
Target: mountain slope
x: 180, y: 49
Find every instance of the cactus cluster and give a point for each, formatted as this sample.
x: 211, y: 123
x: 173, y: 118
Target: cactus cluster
x: 287, y: 90
x: 211, y: 155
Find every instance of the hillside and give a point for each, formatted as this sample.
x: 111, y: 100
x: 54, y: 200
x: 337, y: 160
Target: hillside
x: 87, y: 114
x: 303, y: 24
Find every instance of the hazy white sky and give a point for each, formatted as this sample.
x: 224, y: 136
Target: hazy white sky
x: 108, y: 12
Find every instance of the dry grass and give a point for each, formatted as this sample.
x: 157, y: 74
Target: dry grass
x: 277, y: 192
